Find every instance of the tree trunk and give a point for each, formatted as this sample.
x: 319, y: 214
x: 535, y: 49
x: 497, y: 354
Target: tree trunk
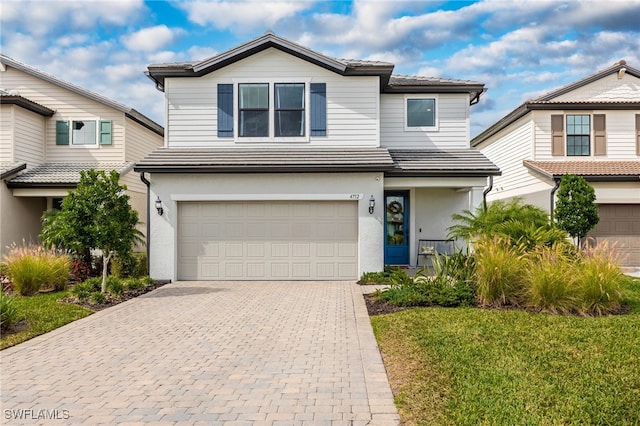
x: 105, y: 267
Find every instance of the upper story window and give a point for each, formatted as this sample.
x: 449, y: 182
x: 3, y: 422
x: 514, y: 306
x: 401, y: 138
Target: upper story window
x: 578, y: 135
x: 253, y: 109
x: 274, y: 111
x: 421, y: 113
x: 83, y: 132
x: 289, y: 109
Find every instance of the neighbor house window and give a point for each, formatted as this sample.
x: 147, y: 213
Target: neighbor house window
x: 253, y: 108
x: 83, y: 132
x: 578, y: 135
x: 289, y: 109
x: 421, y: 113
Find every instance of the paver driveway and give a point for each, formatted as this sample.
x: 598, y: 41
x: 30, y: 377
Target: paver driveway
x: 207, y: 353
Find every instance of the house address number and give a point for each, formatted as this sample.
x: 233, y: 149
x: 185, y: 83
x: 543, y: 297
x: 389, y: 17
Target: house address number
x: 355, y: 196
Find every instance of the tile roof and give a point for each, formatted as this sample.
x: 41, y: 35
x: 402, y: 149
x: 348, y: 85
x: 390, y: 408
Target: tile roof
x: 393, y: 162
x: 7, y: 169
x: 590, y: 170
x: 416, y: 80
x: 451, y: 163
x: 62, y: 174
x: 265, y: 160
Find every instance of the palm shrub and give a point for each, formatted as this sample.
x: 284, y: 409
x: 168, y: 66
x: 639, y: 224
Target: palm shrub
x: 490, y: 220
x: 499, y: 272
x: 33, y: 267
x: 551, y: 283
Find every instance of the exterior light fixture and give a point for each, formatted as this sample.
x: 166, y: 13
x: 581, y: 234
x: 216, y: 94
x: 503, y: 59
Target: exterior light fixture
x: 159, y: 206
x: 372, y: 204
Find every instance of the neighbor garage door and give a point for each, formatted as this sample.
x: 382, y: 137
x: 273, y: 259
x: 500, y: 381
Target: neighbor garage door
x: 620, y: 224
x: 268, y: 240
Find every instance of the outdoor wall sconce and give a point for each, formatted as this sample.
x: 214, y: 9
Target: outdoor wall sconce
x: 159, y: 206
x: 372, y: 204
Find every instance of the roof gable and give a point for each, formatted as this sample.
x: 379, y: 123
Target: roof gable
x: 560, y: 99
x: 127, y: 110
x: 158, y: 72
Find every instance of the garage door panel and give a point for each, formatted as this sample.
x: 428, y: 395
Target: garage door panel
x: 620, y: 225
x: 263, y: 240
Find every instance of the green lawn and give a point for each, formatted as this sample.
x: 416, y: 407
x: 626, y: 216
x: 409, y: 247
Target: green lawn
x: 475, y: 366
x: 42, y: 313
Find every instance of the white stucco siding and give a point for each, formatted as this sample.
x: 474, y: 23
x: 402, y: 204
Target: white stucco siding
x: 19, y: 218
x: 68, y: 106
x: 175, y: 188
x: 6, y: 133
x: 507, y: 149
x: 453, y: 123
x: 352, y: 102
x: 28, y: 134
x: 617, y: 192
x: 609, y: 88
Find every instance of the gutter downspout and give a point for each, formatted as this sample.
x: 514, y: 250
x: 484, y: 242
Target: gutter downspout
x: 146, y: 182
x: 552, y: 196
x: 486, y: 191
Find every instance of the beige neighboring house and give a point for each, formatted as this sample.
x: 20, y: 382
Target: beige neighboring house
x: 50, y: 130
x: 589, y: 128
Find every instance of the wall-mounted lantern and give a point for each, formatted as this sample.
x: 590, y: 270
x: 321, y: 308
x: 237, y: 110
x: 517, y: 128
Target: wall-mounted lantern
x: 372, y: 204
x: 159, y: 206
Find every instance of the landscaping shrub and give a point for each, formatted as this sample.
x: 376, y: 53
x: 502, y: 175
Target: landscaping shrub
x: 97, y: 298
x: 130, y: 265
x: 115, y: 287
x: 34, y: 267
x: 8, y: 311
x: 388, y: 276
x: 600, y: 280
x: 80, y: 270
x: 135, y: 284
x: 424, y: 290
x: 551, y: 282
x: 499, y: 272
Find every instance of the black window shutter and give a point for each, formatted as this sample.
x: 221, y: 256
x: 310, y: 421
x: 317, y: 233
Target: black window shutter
x: 225, y: 110
x: 318, y: 109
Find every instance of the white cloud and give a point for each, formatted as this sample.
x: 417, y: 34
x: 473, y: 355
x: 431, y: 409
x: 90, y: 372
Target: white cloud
x: 150, y: 39
x: 41, y: 17
x: 242, y: 16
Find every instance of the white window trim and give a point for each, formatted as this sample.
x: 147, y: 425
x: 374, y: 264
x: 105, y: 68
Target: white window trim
x: 591, y: 133
x: 97, y: 135
x: 421, y: 128
x: 272, y: 103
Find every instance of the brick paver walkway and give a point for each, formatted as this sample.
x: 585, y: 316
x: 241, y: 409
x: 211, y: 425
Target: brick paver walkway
x: 207, y: 353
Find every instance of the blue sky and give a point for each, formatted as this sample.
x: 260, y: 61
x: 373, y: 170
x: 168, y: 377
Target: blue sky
x: 518, y: 49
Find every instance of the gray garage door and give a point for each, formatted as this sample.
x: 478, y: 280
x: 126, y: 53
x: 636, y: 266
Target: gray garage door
x: 620, y: 224
x: 268, y: 240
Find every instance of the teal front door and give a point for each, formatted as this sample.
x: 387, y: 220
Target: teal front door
x: 396, y: 228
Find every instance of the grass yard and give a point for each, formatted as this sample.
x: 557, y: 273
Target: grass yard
x: 40, y: 314
x: 477, y: 366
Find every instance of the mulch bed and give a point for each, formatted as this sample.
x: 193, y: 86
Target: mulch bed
x: 111, y: 300
x: 376, y: 306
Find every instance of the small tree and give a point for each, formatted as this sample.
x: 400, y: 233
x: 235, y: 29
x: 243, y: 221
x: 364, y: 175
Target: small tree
x: 576, y: 211
x: 97, y: 215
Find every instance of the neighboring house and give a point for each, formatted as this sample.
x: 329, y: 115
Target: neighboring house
x: 589, y: 128
x: 50, y: 130
x: 283, y: 163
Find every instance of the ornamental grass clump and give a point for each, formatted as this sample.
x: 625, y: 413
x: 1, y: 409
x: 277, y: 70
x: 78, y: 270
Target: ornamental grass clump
x: 551, y: 283
x: 499, y: 273
x: 32, y: 268
x: 8, y: 311
x: 600, y: 280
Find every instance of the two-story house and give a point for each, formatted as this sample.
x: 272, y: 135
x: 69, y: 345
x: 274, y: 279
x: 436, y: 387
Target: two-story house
x: 589, y: 128
x: 50, y: 130
x: 283, y: 163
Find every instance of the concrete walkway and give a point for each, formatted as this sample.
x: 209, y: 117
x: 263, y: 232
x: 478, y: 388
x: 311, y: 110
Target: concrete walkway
x: 233, y: 353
